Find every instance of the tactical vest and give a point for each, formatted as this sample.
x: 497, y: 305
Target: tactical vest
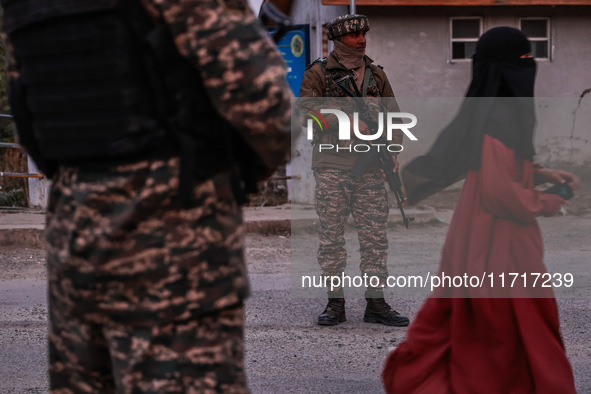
x: 102, y: 83
x: 333, y: 90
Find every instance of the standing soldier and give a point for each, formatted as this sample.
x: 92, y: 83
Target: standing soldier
x: 150, y: 116
x: 338, y: 194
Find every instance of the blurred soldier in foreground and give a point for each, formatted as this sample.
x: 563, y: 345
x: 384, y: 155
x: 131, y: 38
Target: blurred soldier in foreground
x: 339, y: 194
x: 154, y: 120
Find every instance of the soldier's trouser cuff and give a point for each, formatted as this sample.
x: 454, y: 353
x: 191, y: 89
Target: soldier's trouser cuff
x: 336, y: 293
x: 333, y: 292
x: 377, y: 291
x: 374, y: 292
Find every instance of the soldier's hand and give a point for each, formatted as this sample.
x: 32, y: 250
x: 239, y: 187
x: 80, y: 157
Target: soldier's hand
x: 396, y: 167
x: 363, y: 129
x: 396, y: 164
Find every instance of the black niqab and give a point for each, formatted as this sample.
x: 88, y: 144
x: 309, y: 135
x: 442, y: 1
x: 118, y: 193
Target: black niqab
x: 503, y: 83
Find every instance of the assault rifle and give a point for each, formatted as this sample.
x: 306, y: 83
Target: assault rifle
x: 385, y: 158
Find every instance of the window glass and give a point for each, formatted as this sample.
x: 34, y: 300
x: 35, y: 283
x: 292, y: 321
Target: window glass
x: 540, y: 49
x: 465, y: 28
x: 463, y: 50
x: 537, y: 30
x: 534, y: 28
x: 464, y: 35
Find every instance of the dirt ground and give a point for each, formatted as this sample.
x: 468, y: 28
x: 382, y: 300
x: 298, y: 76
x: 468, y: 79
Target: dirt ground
x: 286, y: 352
x: 21, y: 263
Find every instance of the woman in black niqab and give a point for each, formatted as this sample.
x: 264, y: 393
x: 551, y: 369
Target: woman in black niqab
x: 499, y: 102
x: 488, y: 336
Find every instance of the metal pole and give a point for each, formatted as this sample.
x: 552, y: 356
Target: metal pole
x: 19, y: 175
x: 284, y: 178
x: 15, y: 174
x: 352, y: 7
x: 9, y: 145
x: 319, y: 51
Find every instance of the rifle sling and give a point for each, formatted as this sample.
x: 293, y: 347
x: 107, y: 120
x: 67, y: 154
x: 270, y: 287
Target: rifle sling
x: 366, y: 80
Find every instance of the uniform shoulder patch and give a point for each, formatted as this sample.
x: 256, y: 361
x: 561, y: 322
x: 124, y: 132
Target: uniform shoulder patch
x: 236, y: 6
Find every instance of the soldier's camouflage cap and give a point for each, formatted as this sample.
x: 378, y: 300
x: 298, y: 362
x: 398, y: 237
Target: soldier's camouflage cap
x: 345, y: 24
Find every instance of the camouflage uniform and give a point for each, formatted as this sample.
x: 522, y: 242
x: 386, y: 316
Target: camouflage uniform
x: 145, y: 294
x: 337, y: 193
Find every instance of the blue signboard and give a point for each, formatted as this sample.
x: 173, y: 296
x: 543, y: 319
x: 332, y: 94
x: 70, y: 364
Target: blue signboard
x: 294, y: 46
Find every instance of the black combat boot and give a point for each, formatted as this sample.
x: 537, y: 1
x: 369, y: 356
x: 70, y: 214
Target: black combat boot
x: 334, y: 313
x: 378, y: 311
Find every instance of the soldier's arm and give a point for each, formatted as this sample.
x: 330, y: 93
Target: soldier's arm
x: 312, y: 96
x: 312, y: 82
x: 389, y: 99
x: 241, y: 68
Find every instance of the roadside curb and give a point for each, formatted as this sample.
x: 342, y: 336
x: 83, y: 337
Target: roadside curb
x: 29, y: 237
x: 22, y: 228
x: 26, y: 229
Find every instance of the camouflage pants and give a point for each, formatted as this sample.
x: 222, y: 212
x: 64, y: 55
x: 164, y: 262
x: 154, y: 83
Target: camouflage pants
x: 145, y: 296
x: 338, y: 195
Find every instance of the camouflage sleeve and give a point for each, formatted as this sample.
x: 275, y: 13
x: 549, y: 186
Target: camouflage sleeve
x: 241, y: 68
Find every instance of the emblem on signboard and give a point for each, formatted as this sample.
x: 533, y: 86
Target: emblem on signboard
x: 297, y: 45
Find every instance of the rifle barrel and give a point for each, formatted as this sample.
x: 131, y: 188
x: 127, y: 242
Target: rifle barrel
x: 385, y: 160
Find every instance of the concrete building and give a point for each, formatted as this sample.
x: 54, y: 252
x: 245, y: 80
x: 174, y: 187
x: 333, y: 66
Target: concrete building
x: 425, y: 48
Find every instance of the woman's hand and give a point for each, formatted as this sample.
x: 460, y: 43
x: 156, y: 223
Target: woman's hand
x: 553, y: 204
x: 558, y: 176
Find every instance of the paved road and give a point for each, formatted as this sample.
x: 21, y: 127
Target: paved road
x: 286, y: 351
